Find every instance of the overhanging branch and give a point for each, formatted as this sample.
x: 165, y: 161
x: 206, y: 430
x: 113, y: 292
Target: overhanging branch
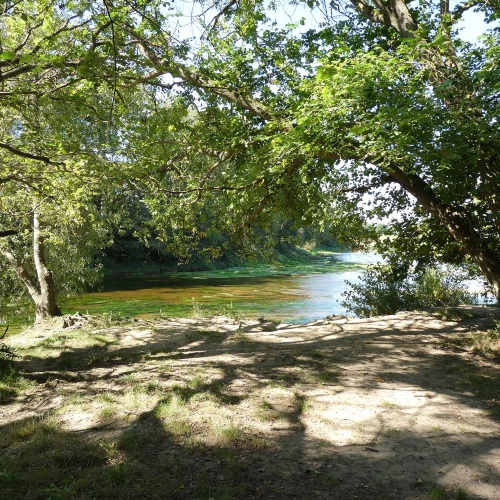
x: 459, y: 10
x: 30, y: 156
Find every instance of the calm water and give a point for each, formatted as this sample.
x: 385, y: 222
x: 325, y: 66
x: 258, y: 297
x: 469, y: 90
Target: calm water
x: 292, y: 298
x: 319, y: 295
x: 289, y: 298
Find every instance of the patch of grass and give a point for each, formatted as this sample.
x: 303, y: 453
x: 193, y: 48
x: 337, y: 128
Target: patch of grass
x: 178, y: 427
x: 205, y: 397
x: 285, y: 380
x: 120, y: 472
x: 484, y: 343
x: 229, y: 312
x: 318, y: 355
x: 56, y: 492
x: 135, y: 385
x: 23, y: 430
x: 129, y: 442
x: 37, y: 429
x: 8, y: 476
x: 173, y: 412
x: 135, y: 402
x: 197, y: 309
x: 153, y: 387
x: 207, y: 336
x: 453, y: 313
x: 265, y: 405
x: 112, y: 453
x: 440, y: 493
x: 241, y: 337
x: 7, y: 353
x: 111, y: 318
x: 166, y: 367
x: 79, y: 454
x: 12, y: 384
x: 75, y: 399
x: 483, y: 382
x: 325, y: 376
x: 196, y: 382
x: 58, y: 341
x: 388, y: 404
x: 266, y: 412
x: 63, y: 351
x: 105, y: 397
x: 231, y: 435
x: 107, y: 414
x: 301, y: 403
x: 487, y: 343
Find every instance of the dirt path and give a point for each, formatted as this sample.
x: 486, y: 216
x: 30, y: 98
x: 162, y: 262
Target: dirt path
x: 338, y: 409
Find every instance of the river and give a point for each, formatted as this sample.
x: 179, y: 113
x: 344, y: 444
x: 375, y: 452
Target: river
x: 291, y: 298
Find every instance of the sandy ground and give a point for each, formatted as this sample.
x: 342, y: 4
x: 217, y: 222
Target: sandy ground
x: 364, y: 408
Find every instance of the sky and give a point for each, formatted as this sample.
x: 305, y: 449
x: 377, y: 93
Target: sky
x: 471, y: 26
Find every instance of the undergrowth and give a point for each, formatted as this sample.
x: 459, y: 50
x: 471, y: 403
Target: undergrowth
x: 387, y: 289
x: 483, y: 343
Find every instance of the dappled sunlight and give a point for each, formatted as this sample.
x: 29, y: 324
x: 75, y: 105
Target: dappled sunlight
x: 365, y: 408
x: 137, y: 337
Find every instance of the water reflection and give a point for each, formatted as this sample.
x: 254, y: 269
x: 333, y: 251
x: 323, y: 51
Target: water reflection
x: 359, y: 258
x: 289, y: 298
x: 321, y: 294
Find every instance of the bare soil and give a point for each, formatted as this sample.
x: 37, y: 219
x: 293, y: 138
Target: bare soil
x: 341, y: 408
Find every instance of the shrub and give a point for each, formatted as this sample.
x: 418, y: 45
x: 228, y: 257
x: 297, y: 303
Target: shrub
x: 386, y: 289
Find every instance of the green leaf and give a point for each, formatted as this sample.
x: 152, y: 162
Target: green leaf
x: 8, y: 55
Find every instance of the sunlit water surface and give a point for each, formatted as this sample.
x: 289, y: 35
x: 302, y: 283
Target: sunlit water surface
x: 297, y: 298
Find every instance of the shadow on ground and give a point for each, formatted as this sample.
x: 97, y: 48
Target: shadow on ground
x: 361, y: 409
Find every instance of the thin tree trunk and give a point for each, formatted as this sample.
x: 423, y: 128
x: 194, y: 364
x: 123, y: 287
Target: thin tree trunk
x: 47, y: 306
x: 22, y: 274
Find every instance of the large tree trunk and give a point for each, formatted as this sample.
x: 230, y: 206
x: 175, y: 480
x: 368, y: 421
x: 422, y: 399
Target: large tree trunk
x: 42, y: 293
x: 458, y: 223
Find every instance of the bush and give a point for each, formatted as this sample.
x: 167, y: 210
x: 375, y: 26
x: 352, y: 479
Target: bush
x: 386, y: 289
x: 435, y: 288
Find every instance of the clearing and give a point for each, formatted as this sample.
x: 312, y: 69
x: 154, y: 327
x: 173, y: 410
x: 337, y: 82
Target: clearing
x: 216, y: 408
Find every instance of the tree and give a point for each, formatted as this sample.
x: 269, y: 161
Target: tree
x: 394, y: 101
x: 59, y: 226
x: 59, y: 72
x: 383, y: 98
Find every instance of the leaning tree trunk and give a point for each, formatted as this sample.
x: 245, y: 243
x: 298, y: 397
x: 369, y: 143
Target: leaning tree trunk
x: 458, y: 223
x: 42, y: 291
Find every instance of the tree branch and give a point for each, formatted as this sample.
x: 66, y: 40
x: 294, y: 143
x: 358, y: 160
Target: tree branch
x: 30, y: 156
x: 394, y: 13
x: 199, y: 189
x: 8, y: 232
x: 459, y: 10
x: 198, y: 80
x: 224, y: 11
